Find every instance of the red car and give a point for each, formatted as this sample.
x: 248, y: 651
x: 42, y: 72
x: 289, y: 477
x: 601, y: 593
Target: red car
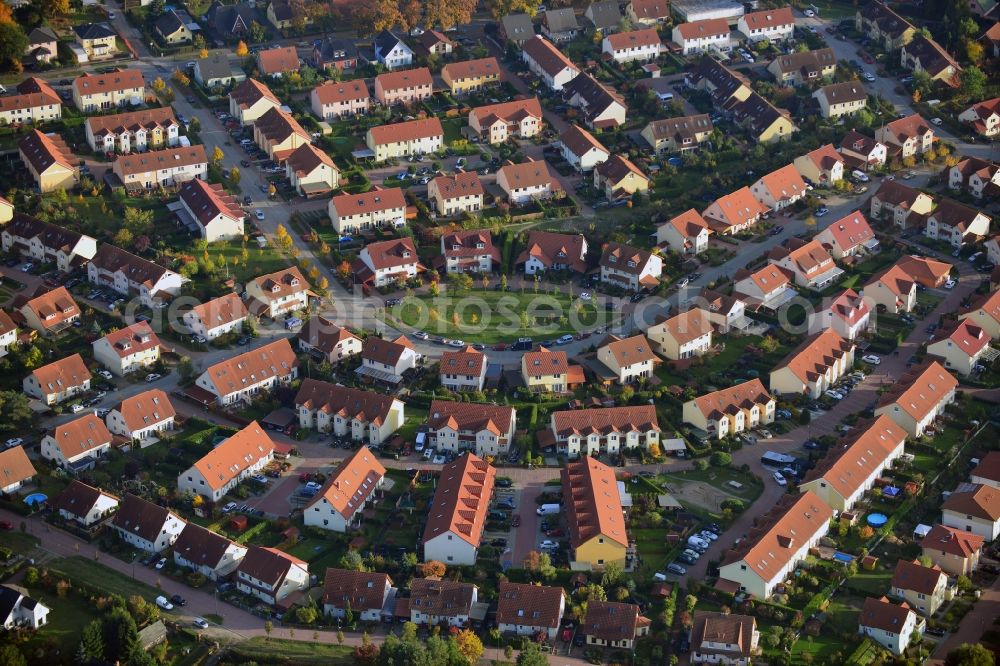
x: 500, y: 346
x: 557, y: 532
x: 6, y: 525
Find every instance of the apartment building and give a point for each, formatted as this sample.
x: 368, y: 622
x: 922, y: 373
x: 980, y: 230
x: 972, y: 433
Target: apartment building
x: 918, y: 397
x: 814, y: 366
x: 351, y: 213
x: 608, y: 430
x: 730, y: 411
x: 456, y: 517
x: 130, y: 349
x: 231, y: 462
x: 242, y: 377
x: 486, y: 430
x: 362, y: 416
x: 351, y: 488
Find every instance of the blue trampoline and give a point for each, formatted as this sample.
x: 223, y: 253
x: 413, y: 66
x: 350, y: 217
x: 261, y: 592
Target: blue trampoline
x: 877, y: 519
x: 891, y: 491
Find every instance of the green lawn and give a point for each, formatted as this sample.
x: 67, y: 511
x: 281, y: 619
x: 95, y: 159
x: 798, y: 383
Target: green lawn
x: 20, y: 543
x: 872, y: 583
x: 291, y: 652
x: 822, y: 648
x: 56, y: 642
x: 491, y: 316
x: 719, y: 478
x: 698, y: 373
x: 86, y: 571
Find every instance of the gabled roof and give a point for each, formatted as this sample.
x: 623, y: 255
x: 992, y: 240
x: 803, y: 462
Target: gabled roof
x: 201, y: 547
x: 545, y: 362
x: 736, y: 208
x: 951, y: 213
x: 282, y: 283
x: 849, y: 464
x: 276, y: 126
x: 769, y: 19
x: 881, y: 614
x: 864, y: 145
x: 560, y: 20
x: 650, y: 10
x: 324, y: 335
x: 988, y: 467
x: 470, y: 417
x: 52, y: 307
x: 915, y: 576
x: 684, y: 127
x: 465, y: 362
x: 207, y: 201
x: 582, y: 422
x: 221, y: 311
x: 981, y: 502
x: 616, y: 168
x: 952, y: 541
x: 375, y: 200
x: 604, y: 14
x: 910, y: 126
x: 168, y: 23
x: 689, y: 223
x: 385, y: 351
x: 406, y: 78
x: 933, y: 57
x: 358, y: 590
x: 779, y: 534
x: 120, y: 79
x: 591, y: 501
x: 927, y: 272
x: 850, y: 307
x: 33, y: 93
x: 594, y: 95
x: 713, y: 628
x: 517, y: 26
x: 532, y: 173
x: 269, y: 565
x: 811, y: 358
x: 94, y: 31
x: 77, y: 498
x: 521, y: 604
x: 392, y: 253
x: 234, y: 456
x: 704, y: 29
x: 579, y: 141
x: 136, y: 269
x: 428, y: 39
x: 785, y: 183
x: 965, y: 335
x: 333, y: 49
x: 281, y: 60
x: 334, y: 92
x: 888, y: 21
x: 625, y: 258
x: 141, y: 518
x: 844, y: 93
x: 461, y: 501
x: 553, y: 248
x: 808, y: 257
x: 349, y: 403
x: 634, y: 38
x: 920, y: 389
x: 989, y: 304
x: 250, y: 91
x: 441, y: 598
x: 850, y: 231
x: 410, y: 130
x: 730, y: 401
x: 134, y: 339
x: 688, y: 325
x: 160, y: 160
x: 62, y: 374
x: 215, y: 66
x: 768, y: 278
x: 471, y: 69
x: 385, y: 42
x: 275, y: 359
x: 898, y: 194
x: 512, y: 111
x: 462, y: 184
x: 352, y: 483
x: 612, y: 621
x: 45, y: 150
x: 547, y: 56
x: 825, y: 157
x: 307, y: 158
x: 145, y: 409
x: 15, y: 466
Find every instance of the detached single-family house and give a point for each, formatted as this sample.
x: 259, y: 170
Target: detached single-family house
x: 368, y: 595
x: 496, y: 123
x: 348, y: 412
x: 629, y: 267
x: 332, y: 53
x: 432, y: 42
x: 814, y: 366
x: 925, y: 589
x: 454, y: 195
x: 216, y: 72
x: 339, y: 504
x: 863, y: 152
x: 677, y: 135
x: 957, y: 223
x: 779, y: 189
x: 841, y: 99
x: 849, y: 236
x: 278, y: 293
x: 234, y: 460
x: 907, y: 137
x: 956, y: 551
x: 918, y: 397
x: 808, y: 262
x: 456, y: 520
x: 8, y: 333
x: 391, y: 51
x: 895, y: 288
x: 387, y: 262
x: 47, y: 313
x: 604, y: 15
x: 19, y: 610
x: 547, y: 250
x: 327, y: 341
x: 901, y: 204
x: 528, y: 181
x: 530, y: 610
x: 548, y: 63
x: 78, y: 444
x: 723, y: 638
x: 823, y: 166
x: 311, y: 171
x: 84, y: 504
x: 628, y: 359
x: 852, y: 465
x: 619, y: 178
x: 278, y: 134
x: 734, y: 212
x: 560, y: 25
x: 486, y: 430
x: 217, y: 317
x: 15, y: 470
x: 732, y: 410
x: 386, y: 361
x: 601, y: 107
x: 142, y: 417
x: 686, y: 233
x: 243, y: 377
x: 130, y: 349
x: 960, y: 346
x: 206, y: 552
x: 581, y: 150
x: 58, y: 381
x: 727, y: 313
x: 769, y: 287
x: 889, y: 625
x: 683, y: 336
x: 983, y: 118
x: 778, y: 542
x: 848, y: 314
x: 146, y: 526
x: 614, y: 625
x: 171, y: 29
x: 43, y: 47
x: 273, y: 576
x: 974, y: 508
x: 97, y: 40
x: 548, y: 371
x: 463, y: 370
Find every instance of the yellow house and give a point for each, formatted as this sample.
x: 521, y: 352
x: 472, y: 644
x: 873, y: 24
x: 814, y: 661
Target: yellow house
x: 545, y: 371
x: 985, y: 312
x: 311, y: 171
x: 471, y: 75
x: 955, y: 551
x: 593, y: 512
x: 97, y: 39
x: 619, y: 178
x: 282, y: 15
x: 279, y: 134
x: 731, y: 410
x: 48, y: 158
x: 772, y: 127
x: 923, y: 588
x: 960, y: 346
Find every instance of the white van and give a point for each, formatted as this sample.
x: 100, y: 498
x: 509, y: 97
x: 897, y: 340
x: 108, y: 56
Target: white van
x: 548, y: 509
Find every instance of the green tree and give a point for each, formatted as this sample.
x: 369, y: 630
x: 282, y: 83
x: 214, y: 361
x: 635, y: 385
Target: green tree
x: 257, y: 32
x: 721, y: 459
x: 15, y: 412
x: 973, y: 82
x: 546, y: 569
x: 531, y: 655
x: 970, y: 654
x: 13, y: 43
x: 352, y: 560
x: 501, y: 8
x: 120, y: 634
x: 306, y: 614
x: 10, y: 655
x: 185, y: 368
x: 138, y: 221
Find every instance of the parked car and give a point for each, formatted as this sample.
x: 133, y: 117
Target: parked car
x: 152, y: 377
x: 200, y: 622
x: 677, y: 569
x: 780, y: 479
x: 162, y: 602
x: 178, y: 600
x: 871, y: 359
x: 949, y: 284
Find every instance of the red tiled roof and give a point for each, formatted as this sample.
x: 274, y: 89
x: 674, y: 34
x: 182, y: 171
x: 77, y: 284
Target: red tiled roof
x: 989, y: 467
x: 554, y: 248
x: 920, y: 389
x: 410, y: 130
x: 849, y: 463
x: 982, y: 502
x: 281, y: 60
x: 406, y: 78
x: 952, y: 541
x: 703, y: 29
x: 634, y: 39
x: 881, y: 614
x: 461, y: 500
x: 915, y: 576
x: 592, y: 504
x: 638, y: 418
x: 731, y: 400
x: 521, y: 604
x: 470, y: 416
x: 352, y: 483
x: 810, y: 359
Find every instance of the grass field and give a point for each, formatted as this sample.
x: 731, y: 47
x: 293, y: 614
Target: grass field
x: 293, y: 653
x: 99, y: 577
x: 56, y: 642
x: 19, y: 542
x: 491, y: 316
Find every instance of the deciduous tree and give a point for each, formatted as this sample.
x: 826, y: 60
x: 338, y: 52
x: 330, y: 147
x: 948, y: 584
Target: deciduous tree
x: 500, y: 8
x: 13, y: 43
x: 242, y: 50
x: 433, y: 568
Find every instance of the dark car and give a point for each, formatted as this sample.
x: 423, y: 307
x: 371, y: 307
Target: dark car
x: 504, y: 483
x: 499, y: 543
x: 178, y: 600
x: 580, y: 639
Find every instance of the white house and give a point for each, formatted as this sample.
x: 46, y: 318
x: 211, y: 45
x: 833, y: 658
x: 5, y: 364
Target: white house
x: 18, y: 610
x: 808, y: 262
x: 528, y: 181
x: 974, y: 509
x: 548, y: 63
x: 630, y: 267
x: 216, y: 214
x: 530, y: 610
x: 463, y: 370
x: 814, y: 366
x: 348, y: 412
x: 77, y: 445
x: 957, y: 223
x: 206, y: 552
x: 779, y: 189
x: 386, y: 360
x: 130, y: 349
x: 848, y: 314
x: 702, y: 36
x: 889, y: 625
x: 367, y: 594
x: 217, y: 317
x: 723, y: 638
x: 58, y: 381
x: 546, y: 250
x: 592, y: 432
x: 388, y: 262
x: 146, y: 526
x: 773, y: 25
x: 470, y: 251
x: 435, y: 602
x: 236, y: 459
x: 351, y: 213
x: 487, y: 430
x: 456, y: 517
x: 849, y: 236
x: 244, y: 376
x: 685, y: 335
x: 917, y: 398
x: 349, y: 489
x: 642, y: 45
x: 273, y: 576
x: 581, y: 149
x: 142, y: 417
x: 84, y: 504
x: 391, y: 51
x: 15, y: 469
x: 278, y: 293
x: 686, y: 233
x: 130, y: 275
x: 45, y: 242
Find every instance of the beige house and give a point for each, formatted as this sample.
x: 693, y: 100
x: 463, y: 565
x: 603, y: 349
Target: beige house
x: 732, y: 410
x: 463, y: 370
x: 985, y: 313
x: 841, y: 99
x: 683, y: 336
x: 901, y: 204
x: 686, y: 233
x: 803, y: 67
x: 851, y: 466
x: 677, y: 135
x: 780, y: 188
x: 324, y: 339
x: 250, y: 100
x: 814, y: 366
x: 629, y: 267
x: 495, y: 123
x: 454, y: 195
x: 849, y: 236
x: 607, y: 430
x: 128, y: 349
x: 823, y: 166
x: 279, y: 134
x: 348, y: 412
x: 311, y: 171
x: 960, y: 347
x: 619, y: 178
x: 734, y: 212
x: 926, y: 55
x: 955, y: 551
x: 35, y: 102
x: 975, y: 510
x: 723, y: 638
x: 918, y: 397
x: 896, y: 288
x: 984, y: 117
x: 97, y: 40
x: 100, y: 92
x: 411, y: 137
x: 378, y: 207
x: 883, y: 25
x: 808, y: 262
x: 923, y: 588
x: 547, y: 371
x: 278, y: 293
x: 957, y: 224
x: 528, y: 181
x: 614, y: 625
x: 629, y: 359
x: 407, y: 86
x: 471, y: 75
x: 909, y: 136
x: 58, y: 381
x: 49, y: 161
x: 780, y: 540
x: 333, y: 100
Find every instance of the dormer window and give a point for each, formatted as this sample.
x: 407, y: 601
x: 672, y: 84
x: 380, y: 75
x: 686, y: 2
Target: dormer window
x: 480, y: 246
x: 294, y: 282
x: 631, y: 264
x: 275, y: 289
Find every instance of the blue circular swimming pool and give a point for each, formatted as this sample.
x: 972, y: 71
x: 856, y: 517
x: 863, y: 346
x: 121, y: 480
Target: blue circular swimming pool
x: 36, y: 498
x: 877, y: 519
